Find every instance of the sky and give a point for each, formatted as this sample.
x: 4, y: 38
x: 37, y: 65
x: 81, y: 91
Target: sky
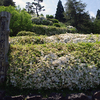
x: 51, y: 5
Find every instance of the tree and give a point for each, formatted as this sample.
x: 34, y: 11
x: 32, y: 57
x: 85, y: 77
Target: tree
x: 20, y: 20
x: 60, y: 12
x: 98, y: 14
x: 8, y: 2
x: 29, y: 7
x: 75, y: 15
x: 97, y: 23
x: 38, y: 7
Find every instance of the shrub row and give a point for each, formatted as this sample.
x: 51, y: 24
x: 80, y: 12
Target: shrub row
x: 47, y: 30
x: 41, y: 21
x: 24, y: 33
x: 35, y: 67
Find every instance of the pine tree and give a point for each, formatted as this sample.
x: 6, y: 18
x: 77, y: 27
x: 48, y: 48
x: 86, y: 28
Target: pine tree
x: 8, y: 2
x: 60, y: 12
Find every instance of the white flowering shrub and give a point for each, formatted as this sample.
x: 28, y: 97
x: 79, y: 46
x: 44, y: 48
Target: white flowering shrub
x: 57, y: 73
x: 54, y: 65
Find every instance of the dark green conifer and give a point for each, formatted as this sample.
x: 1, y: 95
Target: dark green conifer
x: 60, y: 12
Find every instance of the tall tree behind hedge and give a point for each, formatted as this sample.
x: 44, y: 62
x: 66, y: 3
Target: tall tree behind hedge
x: 8, y: 3
x: 76, y: 16
x: 97, y: 23
x: 60, y: 12
x: 98, y: 14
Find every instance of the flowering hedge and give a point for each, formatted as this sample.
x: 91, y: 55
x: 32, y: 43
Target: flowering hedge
x: 54, y: 65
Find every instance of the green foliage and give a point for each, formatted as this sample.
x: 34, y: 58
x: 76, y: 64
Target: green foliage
x: 27, y: 39
x: 54, y: 20
x: 20, y: 20
x: 8, y: 3
x: 56, y: 24
x: 42, y: 15
x: 62, y: 24
x: 98, y: 14
x: 60, y: 12
x: 41, y: 20
x: 76, y: 16
x: 71, y: 30
x: 96, y: 23
x: 24, y: 33
x: 46, y: 22
x: 97, y: 26
x: 47, y: 30
x: 49, y: 16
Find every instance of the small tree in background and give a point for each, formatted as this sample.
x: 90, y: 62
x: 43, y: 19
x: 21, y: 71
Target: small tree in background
x: 8, y: 3
x: 60, y: 12
x: 38, y: 7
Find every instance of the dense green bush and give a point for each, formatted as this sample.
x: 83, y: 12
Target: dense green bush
x: 56, y: 24
x: 49, y: 16
x: 71, y: 29
x: 41, y: 21
x: 24, y: 33
x: 24, y: 40
x: 54, y: 20
x: 20, y: 19
x: 47, y: 22
x: 48, y: 30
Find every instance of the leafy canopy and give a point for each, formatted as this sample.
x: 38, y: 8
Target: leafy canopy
x: 20, y: 19
x: 76, y: 16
